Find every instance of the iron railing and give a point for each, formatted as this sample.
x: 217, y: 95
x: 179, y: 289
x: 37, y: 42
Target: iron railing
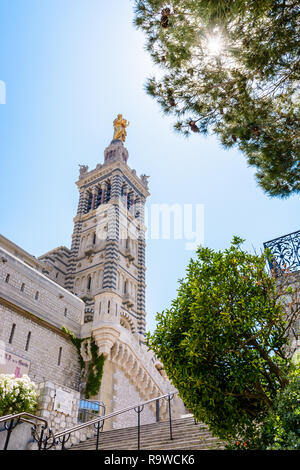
x: 46, y: 439
x: 285, y: 251
x: 13, y: 420
x: 61, y: 438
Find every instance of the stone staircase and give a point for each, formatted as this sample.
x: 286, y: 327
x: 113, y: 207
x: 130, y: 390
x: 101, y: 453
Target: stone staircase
x: 156, y: 436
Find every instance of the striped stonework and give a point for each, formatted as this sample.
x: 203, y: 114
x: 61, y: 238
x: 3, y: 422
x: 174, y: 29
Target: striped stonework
x: 107, y: 256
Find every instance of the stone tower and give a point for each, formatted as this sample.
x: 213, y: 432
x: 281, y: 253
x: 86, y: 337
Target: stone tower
x: 107, y: 265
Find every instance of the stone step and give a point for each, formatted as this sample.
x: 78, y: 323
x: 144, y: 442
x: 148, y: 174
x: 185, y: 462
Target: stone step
x: 156, y: 436
x: 149, y: 436
x: 145, y: 442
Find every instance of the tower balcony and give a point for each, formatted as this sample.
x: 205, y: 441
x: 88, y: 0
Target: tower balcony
x: 85, y: 296
x: 128, y: 300
x: 89, y: 249
x: 129, y: 253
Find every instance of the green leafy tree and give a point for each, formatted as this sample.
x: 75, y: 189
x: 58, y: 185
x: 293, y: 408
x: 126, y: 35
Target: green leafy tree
x: 232, y: 68
x: 224, y: 341
x: 281, y: 427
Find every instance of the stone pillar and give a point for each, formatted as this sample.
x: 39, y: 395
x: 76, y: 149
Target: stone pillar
x: 111, y: 252
x: 116, y: 186
x: 103, y: 193
x: 124, y: 197
x: 94, y: 196
x: 141, y: 272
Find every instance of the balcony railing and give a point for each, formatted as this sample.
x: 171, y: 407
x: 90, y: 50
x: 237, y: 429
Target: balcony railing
x: 130, y: 253
x: 128, y: 300
x: 89, y: 249
x: 285, y: 252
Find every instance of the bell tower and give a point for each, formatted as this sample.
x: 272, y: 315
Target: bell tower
x: 105, y: 267
x: 107, y: 261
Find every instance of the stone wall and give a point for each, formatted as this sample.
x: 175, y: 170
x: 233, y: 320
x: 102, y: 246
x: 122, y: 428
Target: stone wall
x: 25, y: 287
x: 125, y: 394
x: 43, y: 350
x: 60, y: 421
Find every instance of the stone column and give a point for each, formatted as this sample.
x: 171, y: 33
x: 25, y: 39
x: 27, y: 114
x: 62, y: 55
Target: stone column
x: 116, y: 186
x: 141, y: 272
x: 94, y: 196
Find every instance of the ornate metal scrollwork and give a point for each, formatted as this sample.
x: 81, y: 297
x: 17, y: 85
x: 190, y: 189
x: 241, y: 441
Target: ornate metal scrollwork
x: 45, y: 440
x: 285, y: 253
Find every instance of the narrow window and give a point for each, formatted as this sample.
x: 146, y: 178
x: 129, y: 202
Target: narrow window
x: 65, y: 312
x: 12, y: 333
x: 59, y: 356
x: 22, y: 287
x: 99, y: 197
x: 108, y: 191
x: 100, y: 308
x: 89, y: 202
x: 94, y: 239
x: 7, y: 278
x: 28, y: 341
x: 108, y: 307
x: 56, y: 275
x: 89, y: 283
x: 116, y: 310
x: 37, y: 295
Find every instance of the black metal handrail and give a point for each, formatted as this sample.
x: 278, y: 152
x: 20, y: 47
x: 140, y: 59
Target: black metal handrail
x: 63, y: 436
x: 11, y: 422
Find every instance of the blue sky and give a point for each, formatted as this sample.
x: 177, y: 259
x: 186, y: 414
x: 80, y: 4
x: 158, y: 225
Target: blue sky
x: 70, y: 66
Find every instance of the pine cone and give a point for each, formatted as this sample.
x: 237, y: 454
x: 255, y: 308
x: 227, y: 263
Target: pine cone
x: 193, y: 126
x: 164, y: 20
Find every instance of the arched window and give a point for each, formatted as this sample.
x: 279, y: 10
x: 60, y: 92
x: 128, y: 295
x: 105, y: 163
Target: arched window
x: 129, y: 201
x: 89, y: 203
x: 108, y: 192
x: 99, y: 197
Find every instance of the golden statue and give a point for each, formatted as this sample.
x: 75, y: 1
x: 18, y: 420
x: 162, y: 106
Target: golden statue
x: 120, y: 125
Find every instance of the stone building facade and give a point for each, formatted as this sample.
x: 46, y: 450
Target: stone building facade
x: 96, y: 289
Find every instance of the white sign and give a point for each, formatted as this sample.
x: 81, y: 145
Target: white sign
x: 63, y: 402
x: 13, y: 364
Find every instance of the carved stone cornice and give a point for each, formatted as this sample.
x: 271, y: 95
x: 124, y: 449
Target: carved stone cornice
x: 105, y: 169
